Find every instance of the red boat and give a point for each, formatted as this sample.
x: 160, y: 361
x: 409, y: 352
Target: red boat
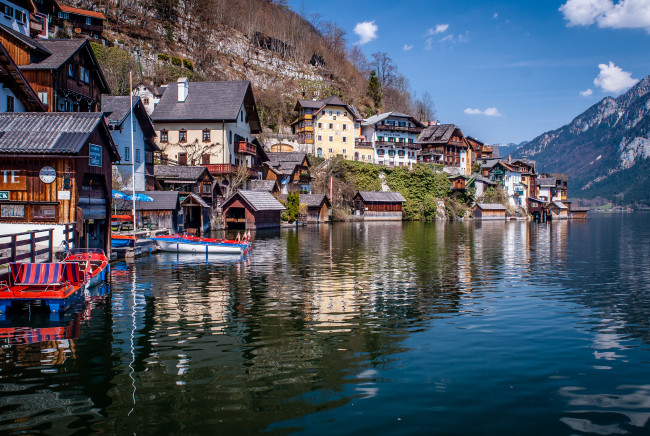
x: 57, y: 285
x: 94, y: 263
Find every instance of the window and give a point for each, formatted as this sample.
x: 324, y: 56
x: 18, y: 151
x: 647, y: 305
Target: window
x: 145, y: 100
x: 331, y: 126
x: 400, y: 153
x: 319, y: 138
x: 182, y: 158
x: 137, y: 155
x: 7, y: 10
x: 345, y: 114
x: 345, y: 151
x: 44, y: 212
x: 345, y: 139
x: 241, y: 116
x: 331, y: 150
x: 84, y: 74
x: 10, y: 103
x: 320, y: 125
x: 182, y: 136
x: 164, y: 136
x: 127, y: 154
x: 12, y: 211
x: 330, y: 112
x: 331, y: 139
x: 230, y: 137
x: 206, y: 188
x: 148, y: 157
x: 380, y: 152
x: 70, y: 70
x: 334, y: 117
x: 344, y: 126
x: 319, y: 152
x: 323, y: 113
x: 338, y: 113
x: 42, y: 95
x: 20, y: 16
x: 205, y: 159
x: 206, y: 135
x: 88, y: 21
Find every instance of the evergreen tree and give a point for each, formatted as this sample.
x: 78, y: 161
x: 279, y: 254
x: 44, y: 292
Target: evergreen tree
x: 374, y: 89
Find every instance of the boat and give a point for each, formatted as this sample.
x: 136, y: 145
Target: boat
x: 193, y: 244
x: 56, y: 285
x: 94, y: 261
x: 122, y: 241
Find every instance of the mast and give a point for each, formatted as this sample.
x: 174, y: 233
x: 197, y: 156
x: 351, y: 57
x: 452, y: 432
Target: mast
x: 132, y: 151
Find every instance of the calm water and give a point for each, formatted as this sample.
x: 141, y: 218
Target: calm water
x: 455, y: 329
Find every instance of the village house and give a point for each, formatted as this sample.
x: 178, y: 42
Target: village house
x: 479, y: 149
x: 16, y: 95
x: 210, y: 124
x: 446, y: 145
x: 510, y: 178
x: 56, y: 169
x: 290, y: 170
x: 480, y: 183
x: 578, y: 212
x: 266, y: 186
x: 164, y: 212
x: 374, y: 205
x: 141, y: 160
x: 556, y: 210
x: 330, y: 125
x: 391, y: 138
x: 251, y: 210
x: 318, y: 207
x: 55, y: 17
x: 489, y: 211
x: 457, y: 182
x: 149, y: 95
x: 15, y: 14
x: 63, y: 73
x: 552, y: 186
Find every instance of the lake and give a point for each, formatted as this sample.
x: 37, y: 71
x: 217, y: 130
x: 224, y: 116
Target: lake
x: 467, y: 328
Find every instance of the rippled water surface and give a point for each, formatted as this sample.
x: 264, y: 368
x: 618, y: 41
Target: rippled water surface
x: 385, y: 328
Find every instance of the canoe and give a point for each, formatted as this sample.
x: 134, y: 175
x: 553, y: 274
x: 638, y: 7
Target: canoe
x: 192, y: 244
x: 94, y: 261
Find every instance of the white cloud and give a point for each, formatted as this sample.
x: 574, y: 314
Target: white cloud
x: 489, y: 112
x: 367, y: 31
x: 625, y: 14
x: 495, y: 16
x: 586, y: 92
x: 449, y: 37
x: 428, y: 44
x: 613, y: 79
x: 407, y: 47
x: 440, y: 28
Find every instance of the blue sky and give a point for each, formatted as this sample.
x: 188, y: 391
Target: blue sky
x: 503, y: 71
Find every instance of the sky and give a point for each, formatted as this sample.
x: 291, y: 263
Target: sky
x: 503, y: 71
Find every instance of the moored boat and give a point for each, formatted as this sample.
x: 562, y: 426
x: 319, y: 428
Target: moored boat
x: 94, y: 263
x: 193, y: 244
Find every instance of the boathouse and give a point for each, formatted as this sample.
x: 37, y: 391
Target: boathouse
x: 56, y: 169
x: 457, y: 182
x: 374, y: 205
x: 489, y: 211
x: 318, y: 207
x: 161, y: 213
x: 556, y: 210
x: 251, y: 210
x: 579, y: 213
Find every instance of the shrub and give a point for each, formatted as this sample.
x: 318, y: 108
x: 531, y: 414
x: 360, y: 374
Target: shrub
x: 176, y: 61
x: 188, y: 64
x: 163, y: 57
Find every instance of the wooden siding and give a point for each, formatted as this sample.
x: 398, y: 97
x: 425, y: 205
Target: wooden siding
x: 42, y: 81
x: 18, y: 51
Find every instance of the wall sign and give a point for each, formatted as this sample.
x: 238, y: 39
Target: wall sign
x: 63, y: 195
x: 95, y: 154
x: 4, y: 195
x: 13, y: 180
x: 47, y: 175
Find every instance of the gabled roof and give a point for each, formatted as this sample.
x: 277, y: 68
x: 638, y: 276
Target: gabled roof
x: 12, y: 77
x: 544, y: 182
x: 329, y: 101
x: 31, y: 43
x: 209, y: 101
x: 490, y: 206
x: 50, y: 132
x: 264, y: 185
x: 84, y: 12
x: 379, y: 197
x: 179, y: 173
x: 558, y: 204
x: 380, y: 117
x: 162, y: 200
x: 437, y: 134
x: 257, y: 200
x: 286, y: 163
x: 314, y: 200
x: 199, y: 200
x: 117, y: 110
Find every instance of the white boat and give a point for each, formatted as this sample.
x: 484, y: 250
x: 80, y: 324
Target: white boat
x: 190, y: 244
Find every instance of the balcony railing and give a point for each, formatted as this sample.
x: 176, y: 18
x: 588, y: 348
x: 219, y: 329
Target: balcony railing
x: 363, y: 144
x: 397, y: 144
x: 220, y: 169
x: 244, y: 147
x: 399, y: 128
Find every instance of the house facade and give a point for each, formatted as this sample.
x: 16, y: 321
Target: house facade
x: 445, y: 144
x: 374, y: 205
x: 16, y: 95
x: 251, y: 210
x: 210, y: 124
x: 330, y: 125
x: 489, y: 211
x: 53, y: 16
x: 318, y: 207
x: 510, y: 178
x: 289, y: 170
x: 389, y: 139
x: 16, y: 15
x: 149, y: 95
x: 138, y: 162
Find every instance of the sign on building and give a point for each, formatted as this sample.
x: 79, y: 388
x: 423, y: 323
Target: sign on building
x: 95, y: 154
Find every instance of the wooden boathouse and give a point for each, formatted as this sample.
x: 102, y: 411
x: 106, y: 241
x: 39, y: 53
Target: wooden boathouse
x: 161, y: 213
x: 56, y: 169
x: 489, y: 211
x: 251, y: 210
x: 556, y: 210
x: 318, y: 207
x: 374, y: 205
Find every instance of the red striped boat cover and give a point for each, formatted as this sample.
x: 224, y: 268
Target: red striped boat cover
x: 44, y: 273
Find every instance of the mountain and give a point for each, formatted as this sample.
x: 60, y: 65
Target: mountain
x: 605, y: 150
x: 504, y: 150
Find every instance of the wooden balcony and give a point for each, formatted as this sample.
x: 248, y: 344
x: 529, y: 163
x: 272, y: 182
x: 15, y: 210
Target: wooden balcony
x: 397, y: 144
x: 243, y: 147
x: 221, y: 169
x: 399, y: 128
x: 362, y: 144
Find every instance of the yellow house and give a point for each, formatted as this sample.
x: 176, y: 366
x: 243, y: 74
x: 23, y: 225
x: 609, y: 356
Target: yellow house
x: 329, y: 125
x: 210, y: 124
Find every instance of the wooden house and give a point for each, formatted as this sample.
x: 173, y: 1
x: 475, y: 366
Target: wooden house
x: 162, y: 212
x: 579, y: 213
x: 64, y: 73
x: 290, y: 170
x: 58, y: 17
x: 479, y: 149
x: 251, y: 210
x: 318, y: 207
x: 373, y: 205
x: 489, y: 211
x: 556, y: 210
x: 457, y: 182
x: 55, y: 169
x: 16, y: 95
x: 445, y: 144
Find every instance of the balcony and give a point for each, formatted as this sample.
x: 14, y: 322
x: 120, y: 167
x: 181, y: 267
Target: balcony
x: 362, y: 144
x: 399, y: 128
x: 243, y: 147
x: 397, y: 144
x: 221, y: 169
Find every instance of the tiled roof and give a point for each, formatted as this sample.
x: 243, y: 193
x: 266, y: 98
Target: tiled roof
x: 378, y: 196
x: 29, y: 42
x: 377, y: 118
x: 197, y: 199
x: 490, y: 206
x: 205, y: 101
x: 559, y: 204
x: 47, y: 133
x: 286, y: 163
x: 263, y: 185
x: 61, y: 50
x: 258, y: 200
x: 178, y: 173
x: 162, y: 200
x: 84, y: 12
x: 117, y: 107
x: 438, y: 134
x: 313, y: 200
x: 544, y: 182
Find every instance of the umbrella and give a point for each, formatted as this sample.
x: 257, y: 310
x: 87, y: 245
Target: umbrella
x: 118, y: 195
x: 139, y: 197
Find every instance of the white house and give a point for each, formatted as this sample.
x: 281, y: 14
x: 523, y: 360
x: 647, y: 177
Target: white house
x: 149, y: 95
x: 389, y: 139
x: 15, y: 15
x: 118, y: 111
x: 511, y: 181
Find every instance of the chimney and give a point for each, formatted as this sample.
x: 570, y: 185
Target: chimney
x: 183, y: 89
x: 509, y: 158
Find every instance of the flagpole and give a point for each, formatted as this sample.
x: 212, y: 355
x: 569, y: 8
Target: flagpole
x: 132, y: 151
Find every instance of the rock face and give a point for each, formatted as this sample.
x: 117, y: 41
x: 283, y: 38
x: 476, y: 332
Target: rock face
x: 604, y: 150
